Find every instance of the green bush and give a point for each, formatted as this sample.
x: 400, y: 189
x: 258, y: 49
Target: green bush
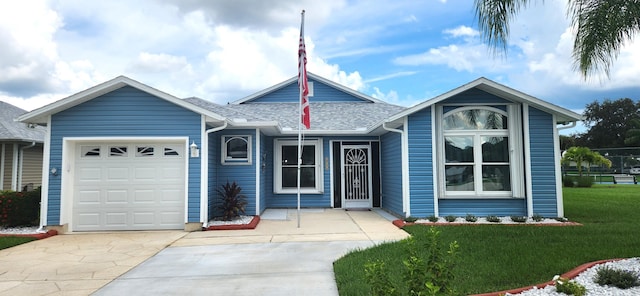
x: 410, y: 219
x: 432, y: 219
x: 568, y: 181
x: 19, y: 208
x: 623, y: 279
x: 493, y: 219
x: 584, y: 181
x: 450, y: 218
x: 519, y: 219
x: 376, y: 274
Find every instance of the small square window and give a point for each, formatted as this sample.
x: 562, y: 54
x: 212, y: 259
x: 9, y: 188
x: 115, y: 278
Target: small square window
x: 236, y: 150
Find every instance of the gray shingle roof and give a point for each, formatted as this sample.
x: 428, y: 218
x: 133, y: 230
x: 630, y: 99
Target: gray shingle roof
x: 325, y: 116
x: 11, y: 130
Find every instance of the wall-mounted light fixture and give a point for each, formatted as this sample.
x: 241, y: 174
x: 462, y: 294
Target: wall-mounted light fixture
x: 54, y: 171
x: 195, y: 152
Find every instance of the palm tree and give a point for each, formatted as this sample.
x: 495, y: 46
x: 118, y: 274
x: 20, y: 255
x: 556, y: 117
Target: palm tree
x: 602, y: 27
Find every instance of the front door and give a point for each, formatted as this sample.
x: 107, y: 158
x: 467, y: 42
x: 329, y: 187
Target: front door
x: 356, y: 176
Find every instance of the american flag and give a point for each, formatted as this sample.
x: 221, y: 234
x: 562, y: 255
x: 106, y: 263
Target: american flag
x: 302, y: 79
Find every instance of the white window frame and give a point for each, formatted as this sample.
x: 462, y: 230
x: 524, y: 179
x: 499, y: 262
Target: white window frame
x: 515, y: 158
x: 226, y: 160
x: 277, y: 159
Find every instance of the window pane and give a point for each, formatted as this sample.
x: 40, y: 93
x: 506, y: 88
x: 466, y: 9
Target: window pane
x: 458, y: 149
x: 289, y: 154
x: 496, y: 178
x: 237, y: 148
x: 459, y: 177
x: 495, y: 149
x: 308, y: 155
x: 475, y: 119
x: 307, y: 177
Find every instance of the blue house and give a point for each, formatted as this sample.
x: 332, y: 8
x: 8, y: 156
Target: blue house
x: 125, y: 156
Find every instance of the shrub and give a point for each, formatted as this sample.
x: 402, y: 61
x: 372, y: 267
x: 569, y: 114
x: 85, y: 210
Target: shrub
x: 432, y: 219
x: 470, y: 218
x: 450, y: 218
x: 537, y: 217
x: 568, y: 181
x: 429, y: 267
x: 19, y: 208
x: 376, y: 274
x: 493, y: 219
x: 623, y: 279
x: 584, y: 181
x: 519, y: 219
x: 232, y: 203
x: 410, y: 219
x: 569, y: 287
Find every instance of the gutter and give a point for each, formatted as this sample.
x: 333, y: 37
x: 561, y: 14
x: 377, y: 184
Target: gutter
x: 572, y: 125
x: 404, y: 143
x: 204, y: 210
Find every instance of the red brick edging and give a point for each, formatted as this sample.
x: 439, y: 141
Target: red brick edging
x: 43, y: 235
x: 250, y: 225
x: 568, y: 275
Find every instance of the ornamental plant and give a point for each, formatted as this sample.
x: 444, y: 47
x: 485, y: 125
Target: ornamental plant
x: 493, y: 219
x: 432, y: 219
x: 470, y: 218
x: 519, y: 219
x: 450, y: 218
x: 569, y: 287
x: 232, y: 203
x: 623, y: 279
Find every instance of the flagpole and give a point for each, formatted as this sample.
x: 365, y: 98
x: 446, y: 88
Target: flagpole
x: 301, y: 65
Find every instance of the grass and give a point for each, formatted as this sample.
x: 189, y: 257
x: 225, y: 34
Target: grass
x: 498, y: 257
x: 10, y: 241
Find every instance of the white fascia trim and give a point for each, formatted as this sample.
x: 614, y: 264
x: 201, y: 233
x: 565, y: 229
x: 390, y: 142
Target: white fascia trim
x: 527, y: 159
x: 434, y: 162
x: 258, y: 153
x: 46, y: 160
x: 37, y: 115
x: 255, y: 124
x: 314, y: 77
x: 406, y: 198
x: 558, y: 172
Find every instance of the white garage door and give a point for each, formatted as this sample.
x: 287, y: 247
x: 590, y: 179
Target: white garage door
x: 129, y: 186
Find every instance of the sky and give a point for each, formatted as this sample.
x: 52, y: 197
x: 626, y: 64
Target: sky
x: 402, y: 52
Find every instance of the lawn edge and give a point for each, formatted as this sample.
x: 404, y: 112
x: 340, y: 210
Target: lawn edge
x: 42, y: 235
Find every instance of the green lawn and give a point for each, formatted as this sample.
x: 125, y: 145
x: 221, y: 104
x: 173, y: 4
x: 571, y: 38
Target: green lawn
x: 500, y: 257
x: 10, y: 241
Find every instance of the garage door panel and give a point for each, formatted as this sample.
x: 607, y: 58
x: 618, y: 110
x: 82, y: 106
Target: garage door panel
x: 124, y: 190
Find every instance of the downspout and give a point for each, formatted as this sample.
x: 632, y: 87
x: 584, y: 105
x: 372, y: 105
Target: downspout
x: 21, y: 163
x: 405, y: 164
x: 204, y: 188
x: 14, y: 167
x: 2, y: 156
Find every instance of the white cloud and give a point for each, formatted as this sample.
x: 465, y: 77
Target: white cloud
x: 462, y: 31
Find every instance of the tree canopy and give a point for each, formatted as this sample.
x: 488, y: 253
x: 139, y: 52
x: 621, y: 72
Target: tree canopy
x: 602, y: 28
x: 609, y: 122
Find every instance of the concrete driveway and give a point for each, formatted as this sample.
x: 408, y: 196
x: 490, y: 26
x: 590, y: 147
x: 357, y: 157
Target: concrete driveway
x: 277, y: 258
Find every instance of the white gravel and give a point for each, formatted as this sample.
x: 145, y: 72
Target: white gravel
x: 20, y: 230
x: 241, y: 220
x: 586, y: 278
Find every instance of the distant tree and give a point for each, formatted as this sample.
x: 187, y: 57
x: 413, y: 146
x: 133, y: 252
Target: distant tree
x: 583, y: 156
x: 633, y: 134
x: 608, y: 122
x: 601, y: 28
x: 567, y: 141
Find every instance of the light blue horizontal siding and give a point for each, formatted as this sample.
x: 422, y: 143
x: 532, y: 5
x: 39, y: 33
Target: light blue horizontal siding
x: 543, y: 166
x: 474, y: 96
x: 482, y: 207
x: 321, y: 93
x: 391, y: 172
x: 421, y: 163
x: 243, y: 175
x: 125, y: 112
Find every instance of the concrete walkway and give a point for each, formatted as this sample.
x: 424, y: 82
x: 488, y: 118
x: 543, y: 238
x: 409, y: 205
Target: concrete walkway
x: 277, y: 258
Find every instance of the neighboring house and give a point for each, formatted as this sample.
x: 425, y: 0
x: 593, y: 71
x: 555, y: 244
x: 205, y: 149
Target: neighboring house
x: 125, y: 156
x: 20, y: 151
